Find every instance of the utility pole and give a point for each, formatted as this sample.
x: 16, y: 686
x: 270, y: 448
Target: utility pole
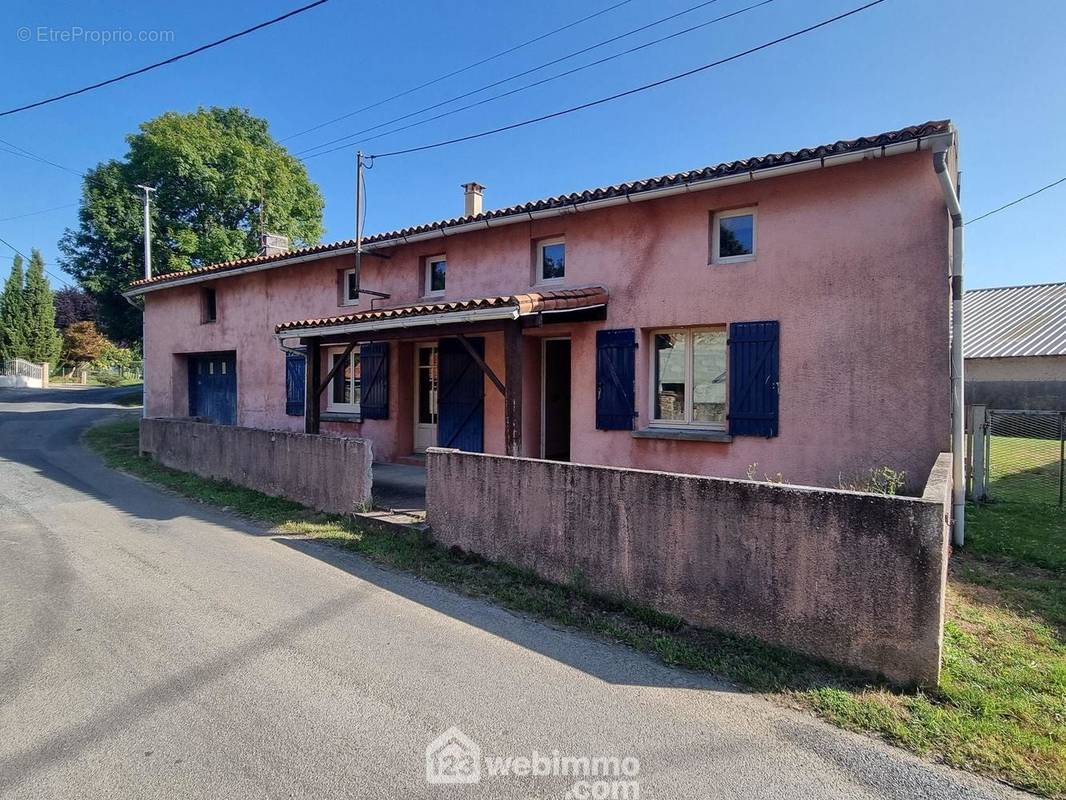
x: 147, y: 230
x: 358, y: 220
x: 147, y: 274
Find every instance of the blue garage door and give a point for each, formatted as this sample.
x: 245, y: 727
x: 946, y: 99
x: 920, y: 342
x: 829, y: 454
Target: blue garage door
x: 461, y: 396
x: 213, y: 387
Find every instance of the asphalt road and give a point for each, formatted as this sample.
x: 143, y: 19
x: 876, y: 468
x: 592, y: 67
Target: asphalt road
x: 152, y: 647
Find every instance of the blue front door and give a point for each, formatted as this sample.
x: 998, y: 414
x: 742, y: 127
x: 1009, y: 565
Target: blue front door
x: 461, y: 396
x: 213, y: 387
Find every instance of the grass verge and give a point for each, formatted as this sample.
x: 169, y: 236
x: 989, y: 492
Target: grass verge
x: 1000, y: 709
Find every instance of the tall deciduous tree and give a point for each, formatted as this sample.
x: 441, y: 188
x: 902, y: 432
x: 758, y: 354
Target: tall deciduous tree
x: 42, y: 338
x: 218, y: 172
x: 73, y: 305
x: 13, y: 314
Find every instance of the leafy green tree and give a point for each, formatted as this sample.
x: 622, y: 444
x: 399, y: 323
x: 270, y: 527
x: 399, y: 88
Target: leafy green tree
x: 13, y: 314
x: 43, y: 341
x: 218, y: 172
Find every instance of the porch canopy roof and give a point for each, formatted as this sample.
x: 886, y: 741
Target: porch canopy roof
x: 549, y: 302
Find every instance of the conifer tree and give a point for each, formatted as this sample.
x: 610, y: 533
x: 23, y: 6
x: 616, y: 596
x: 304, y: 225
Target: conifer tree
x: 43, y: 341
x: 13, y: 314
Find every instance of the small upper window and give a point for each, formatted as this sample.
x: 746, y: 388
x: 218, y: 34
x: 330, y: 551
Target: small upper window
x: 733, y: 236
x: 208, y: 306
x: 436, y: 273
x: 350, y: 289
x: 551, y: 260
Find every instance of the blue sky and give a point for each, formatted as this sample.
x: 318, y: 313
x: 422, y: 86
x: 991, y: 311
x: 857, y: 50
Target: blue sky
x: 996, y: 69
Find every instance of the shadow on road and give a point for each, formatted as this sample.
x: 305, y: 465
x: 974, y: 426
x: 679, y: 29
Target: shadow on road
x: 44, y: 436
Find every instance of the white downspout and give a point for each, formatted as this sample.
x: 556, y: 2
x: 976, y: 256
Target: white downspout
x: 958, y: 406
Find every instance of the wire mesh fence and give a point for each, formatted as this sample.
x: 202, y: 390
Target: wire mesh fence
x: 1024, y: 456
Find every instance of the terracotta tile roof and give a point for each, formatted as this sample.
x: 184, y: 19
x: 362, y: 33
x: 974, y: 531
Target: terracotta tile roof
x: 913, y: 133
x: 528, y: 303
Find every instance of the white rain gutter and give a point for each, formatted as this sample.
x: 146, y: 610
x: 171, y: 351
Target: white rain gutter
x: 958, y: 400
x: 935, y: 142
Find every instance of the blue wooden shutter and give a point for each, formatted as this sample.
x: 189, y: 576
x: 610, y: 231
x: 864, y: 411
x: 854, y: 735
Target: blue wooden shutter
x: 616, y: 396
x: 295, y: 368
x: 374, y: 380
x: 753, y: 378
x: 461, y: 395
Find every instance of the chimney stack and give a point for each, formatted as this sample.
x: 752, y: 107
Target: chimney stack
x: 474, y: 193
x: 271, y: 244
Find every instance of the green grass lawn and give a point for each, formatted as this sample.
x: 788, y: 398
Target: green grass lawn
x: 1000, y: 709
x: 130, y: 399
x: 1023, y: 469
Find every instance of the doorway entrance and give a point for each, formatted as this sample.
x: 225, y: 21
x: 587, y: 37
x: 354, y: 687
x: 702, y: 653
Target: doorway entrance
x: 555, y: 400
x: 425, y: 396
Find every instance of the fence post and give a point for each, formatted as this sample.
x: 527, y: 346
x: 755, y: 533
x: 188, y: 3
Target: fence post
x: 980, y: 430
x: 44, y: 375
x: 1062, y: 453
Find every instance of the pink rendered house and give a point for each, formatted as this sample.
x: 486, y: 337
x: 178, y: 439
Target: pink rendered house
x: 789, y: 312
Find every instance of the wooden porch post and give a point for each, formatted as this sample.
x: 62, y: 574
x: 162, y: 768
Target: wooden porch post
x: 512, y: 396
x: 312, y: 367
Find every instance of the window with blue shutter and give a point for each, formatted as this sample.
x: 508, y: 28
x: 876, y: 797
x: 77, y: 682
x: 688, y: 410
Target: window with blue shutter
x: 616, y: 393
x: 753, y: 378
x: 374, y: 360
x: 294, y: 384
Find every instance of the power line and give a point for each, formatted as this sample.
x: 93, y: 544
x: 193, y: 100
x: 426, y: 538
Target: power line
x: 518, y: 89
x: 635, y: 90
x: 452, y: 74
x: 517, y: 75
x: 165, y: 62
x: 61, y: 281
x: 1051, y: 185
x: 35, y: 213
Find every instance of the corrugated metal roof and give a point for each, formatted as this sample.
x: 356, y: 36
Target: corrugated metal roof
x: 527, y: 303
x: 912, y: 133
x: 1015, y: 321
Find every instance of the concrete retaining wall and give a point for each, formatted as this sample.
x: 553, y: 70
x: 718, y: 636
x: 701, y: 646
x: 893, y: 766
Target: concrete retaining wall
x: 851, y: 577
x: 328, y: 473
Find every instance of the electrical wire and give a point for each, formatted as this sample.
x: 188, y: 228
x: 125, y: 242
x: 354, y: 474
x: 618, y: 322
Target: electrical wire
x: 518, y: 89
x: 61, y: 281
x: 1051, y: 185
x: 165, y: 62
x: 634, y: 90
x: 452, y: 74
x: 35, y: 213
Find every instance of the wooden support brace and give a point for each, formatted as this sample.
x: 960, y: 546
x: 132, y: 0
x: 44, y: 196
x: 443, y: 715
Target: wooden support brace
x: 335, y: 369
x: 481, y: 363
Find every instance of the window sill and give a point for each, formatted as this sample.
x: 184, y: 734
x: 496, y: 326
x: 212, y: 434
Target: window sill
x: 340, y: 416
x: 683, y: 435
x: 725, y: 262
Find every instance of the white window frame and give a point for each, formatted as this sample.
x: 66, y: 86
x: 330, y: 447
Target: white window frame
x: 345, y: 299
x: 687, y: 422
x: 539, y: 266
x: 430, y: 260
x: 341, y: 408
x: 718, y: 216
